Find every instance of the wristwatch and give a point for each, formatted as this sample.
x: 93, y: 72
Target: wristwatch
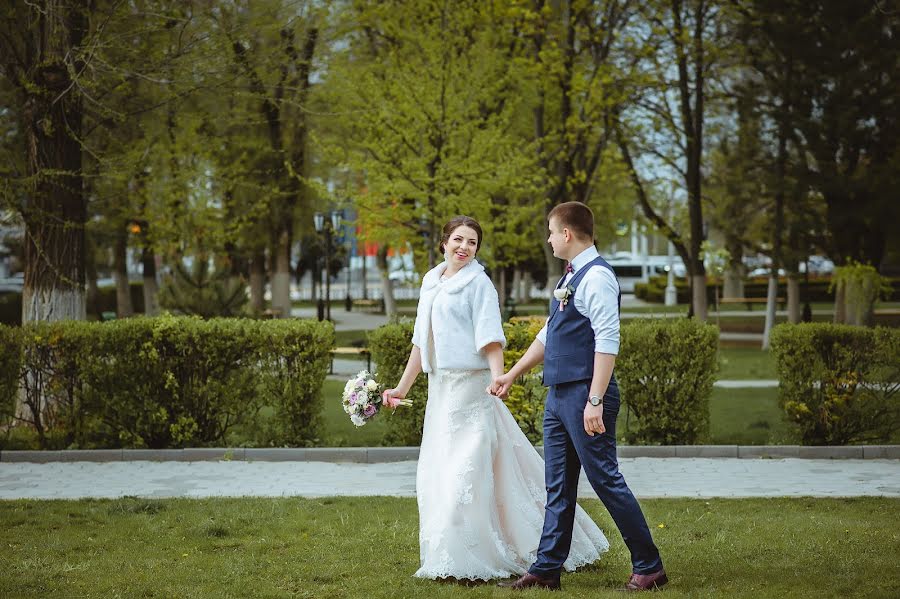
x: 595, y: 400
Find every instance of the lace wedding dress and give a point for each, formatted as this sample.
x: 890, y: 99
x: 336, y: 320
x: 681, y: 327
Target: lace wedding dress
x: 480, y: 487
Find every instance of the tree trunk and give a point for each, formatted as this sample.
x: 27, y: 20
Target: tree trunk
x: 387, y: 288
x: 517, y: 294
x: 151, y: 283
x: 281, y: 279
x: 124, y: 306
x: 92, y: 299
x: 698, y: 296
x: 840, y: 303
x: 793, y: 298
x: 527, y: 284
x: 771, y: 301
x: 258, y: 282
x: 55, y: 208
x: 734, y: 283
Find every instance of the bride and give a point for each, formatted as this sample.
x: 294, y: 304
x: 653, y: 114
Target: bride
x: 479, y: 481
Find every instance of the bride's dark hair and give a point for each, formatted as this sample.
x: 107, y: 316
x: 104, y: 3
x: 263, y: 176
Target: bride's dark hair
x: 456, y: 222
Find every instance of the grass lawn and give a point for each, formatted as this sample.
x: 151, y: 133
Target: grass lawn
x: 368, y: 547
x: 747, y: 417
x: 745, y: 363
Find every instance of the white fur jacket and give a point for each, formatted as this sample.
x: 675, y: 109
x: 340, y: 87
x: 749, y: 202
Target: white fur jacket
x: 464, y: 314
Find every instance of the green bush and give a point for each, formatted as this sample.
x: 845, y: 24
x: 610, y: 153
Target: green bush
x: 526, y: 398
x: 10, y: 365
x: 296, y: 359
x: 838, y: 383
x: 654, y: 290
x: 172, y: 381
x: 390, y: 346
x: 666, y: 370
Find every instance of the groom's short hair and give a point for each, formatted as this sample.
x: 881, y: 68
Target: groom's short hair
x: 576, y: 217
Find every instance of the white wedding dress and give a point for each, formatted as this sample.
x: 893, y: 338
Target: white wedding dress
x: 480, y: 487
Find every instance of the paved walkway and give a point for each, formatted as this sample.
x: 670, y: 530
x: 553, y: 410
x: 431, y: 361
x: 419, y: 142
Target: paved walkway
x: 647, y: 477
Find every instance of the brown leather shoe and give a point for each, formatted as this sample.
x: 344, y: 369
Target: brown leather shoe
x: 530, y: 580
x: 647, y: 582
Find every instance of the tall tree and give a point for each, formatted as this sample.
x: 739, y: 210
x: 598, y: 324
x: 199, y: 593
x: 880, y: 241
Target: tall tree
x: 665, y: 126
x: 44, y: 56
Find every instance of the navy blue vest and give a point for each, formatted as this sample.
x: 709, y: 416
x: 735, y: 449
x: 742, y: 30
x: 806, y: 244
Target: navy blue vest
x: 569, y: 351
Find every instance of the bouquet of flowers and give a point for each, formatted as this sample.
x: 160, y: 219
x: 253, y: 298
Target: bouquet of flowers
x: 363, y: 398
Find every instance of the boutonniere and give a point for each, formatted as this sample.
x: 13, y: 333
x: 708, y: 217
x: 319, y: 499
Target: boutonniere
x: 563, y: 294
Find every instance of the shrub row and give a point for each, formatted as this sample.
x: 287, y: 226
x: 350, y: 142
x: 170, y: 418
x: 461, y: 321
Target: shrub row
x: 167, y: 381
x: 665, y: 371
x: 839, y: 384
x: 654, y: 290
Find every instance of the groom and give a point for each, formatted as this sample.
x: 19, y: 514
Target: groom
x: 578, y: 347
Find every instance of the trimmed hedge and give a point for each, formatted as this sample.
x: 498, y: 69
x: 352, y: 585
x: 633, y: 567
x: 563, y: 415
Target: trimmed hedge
x: 390, y: 346
x: 172, y: 381
x: 666, y: 370
x: 10, y: 364
x: 526, y: 398
x: 654, y: 290
x: 838, y: 384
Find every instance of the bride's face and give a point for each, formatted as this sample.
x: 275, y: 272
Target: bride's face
x: 460, y: 249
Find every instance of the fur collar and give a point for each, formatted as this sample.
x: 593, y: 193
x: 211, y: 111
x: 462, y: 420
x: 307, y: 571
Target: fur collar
x: 454, y: 284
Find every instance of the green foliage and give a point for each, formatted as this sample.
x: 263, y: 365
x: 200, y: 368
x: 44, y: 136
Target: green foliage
x: 526, y: 398
x: 838, y: 384
x: 203, y: 291
x: 430, y: 93
x: 10, y: 365
x: 293, y: 367
x: 172, y: 381
x: 666, y: 370
x: 390, y: 346
x: 862, y: 286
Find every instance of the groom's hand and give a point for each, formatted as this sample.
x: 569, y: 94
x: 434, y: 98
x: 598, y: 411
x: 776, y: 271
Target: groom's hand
x: 593, y: 419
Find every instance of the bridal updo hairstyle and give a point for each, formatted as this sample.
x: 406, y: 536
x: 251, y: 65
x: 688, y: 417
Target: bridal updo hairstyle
x: 460, y: 221
x: 576, y: 217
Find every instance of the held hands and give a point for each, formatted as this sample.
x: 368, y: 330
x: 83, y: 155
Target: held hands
x: 500, y: 386
x: 593, y: 419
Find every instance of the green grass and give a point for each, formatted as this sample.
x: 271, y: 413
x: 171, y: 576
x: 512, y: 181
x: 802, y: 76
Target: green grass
x: 737, y: 417
x: 745, y: 363
x: 747, y: 417
x: 368, y: 547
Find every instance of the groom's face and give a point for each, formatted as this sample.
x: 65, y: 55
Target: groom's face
x: 557, y: 238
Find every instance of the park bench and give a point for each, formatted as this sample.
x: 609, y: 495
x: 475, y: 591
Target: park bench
x: 368, y: 305
x: 351, y: 351
x: 749, y: 301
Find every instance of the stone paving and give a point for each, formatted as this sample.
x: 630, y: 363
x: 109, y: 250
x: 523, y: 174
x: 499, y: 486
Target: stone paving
x: 647, y: 477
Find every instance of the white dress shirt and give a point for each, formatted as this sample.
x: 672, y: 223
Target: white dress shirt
x: 597, y: 299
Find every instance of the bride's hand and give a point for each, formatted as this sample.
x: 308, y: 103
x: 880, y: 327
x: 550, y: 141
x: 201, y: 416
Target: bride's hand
x: 391, y: 397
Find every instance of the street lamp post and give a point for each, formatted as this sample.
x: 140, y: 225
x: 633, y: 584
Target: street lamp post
x: 336, y: 218
x: 319, y: 222
x: 324, y: 311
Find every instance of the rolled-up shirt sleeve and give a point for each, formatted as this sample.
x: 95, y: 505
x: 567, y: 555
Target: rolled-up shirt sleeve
x: 486, y: 316
x: 542, y: 335
x: 598, y: 300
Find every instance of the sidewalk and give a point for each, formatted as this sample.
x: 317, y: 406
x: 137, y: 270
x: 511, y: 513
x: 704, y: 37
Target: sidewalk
x: 647, y: 477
